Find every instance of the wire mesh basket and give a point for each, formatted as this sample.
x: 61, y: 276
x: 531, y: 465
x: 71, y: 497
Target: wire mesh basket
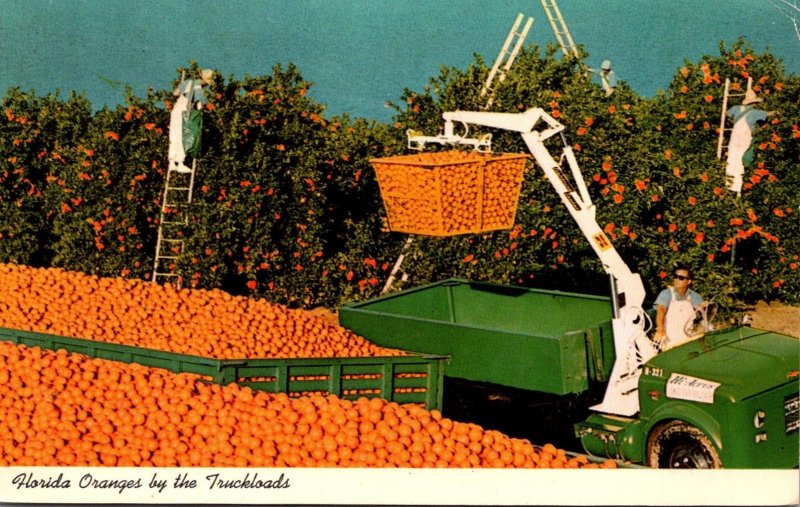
x: 451, y: 192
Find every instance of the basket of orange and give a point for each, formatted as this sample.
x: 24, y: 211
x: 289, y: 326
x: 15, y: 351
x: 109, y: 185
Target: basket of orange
x: 450, y: 192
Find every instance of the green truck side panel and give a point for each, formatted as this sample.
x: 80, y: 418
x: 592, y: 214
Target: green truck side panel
x: 422, y: 375
x: 511, y: 336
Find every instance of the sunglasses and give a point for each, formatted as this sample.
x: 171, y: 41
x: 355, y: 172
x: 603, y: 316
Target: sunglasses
x: 681, y: 277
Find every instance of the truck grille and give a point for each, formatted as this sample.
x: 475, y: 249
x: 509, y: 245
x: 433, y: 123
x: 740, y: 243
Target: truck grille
x: 791, y: 410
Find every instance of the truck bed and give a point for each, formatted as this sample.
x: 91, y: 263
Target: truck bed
x: 549, y: 341
x: 413, y: 378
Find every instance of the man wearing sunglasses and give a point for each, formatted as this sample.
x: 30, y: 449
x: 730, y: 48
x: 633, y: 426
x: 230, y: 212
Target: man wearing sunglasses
x: 676, y: 307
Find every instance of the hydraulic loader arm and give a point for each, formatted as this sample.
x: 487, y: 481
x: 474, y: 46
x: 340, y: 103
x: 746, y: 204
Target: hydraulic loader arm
x: 632, y: 347
x: 571, y: 189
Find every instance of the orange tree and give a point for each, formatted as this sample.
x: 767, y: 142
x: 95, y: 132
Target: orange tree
x: 36, y: 134
x: 743, y: 245
x: 287, y: 206
x: 104, y: 195
x: 285, y: 203
x: 253, y: 222
x: 652, y: 170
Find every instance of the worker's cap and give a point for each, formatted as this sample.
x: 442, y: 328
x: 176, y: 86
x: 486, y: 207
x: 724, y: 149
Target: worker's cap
x: 750, y: 98
x: 606, y: 65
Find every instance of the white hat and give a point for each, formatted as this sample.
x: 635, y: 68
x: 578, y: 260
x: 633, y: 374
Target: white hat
x: 750, y: 97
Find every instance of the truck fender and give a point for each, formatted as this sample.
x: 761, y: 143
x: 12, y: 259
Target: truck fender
x: 687, y: 412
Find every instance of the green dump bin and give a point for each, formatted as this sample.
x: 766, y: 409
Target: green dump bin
x: 413, y: 378
x: 548, y: 341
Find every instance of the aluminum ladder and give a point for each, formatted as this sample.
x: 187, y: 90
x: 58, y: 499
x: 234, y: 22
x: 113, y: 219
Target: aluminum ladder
x: 559, y: 27
x: 724, y: 131
x: 178, y: 189
x: 505, y: 59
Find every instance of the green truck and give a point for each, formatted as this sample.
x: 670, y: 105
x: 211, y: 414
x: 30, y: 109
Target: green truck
x: 726, y: 399
x: 719, y: 399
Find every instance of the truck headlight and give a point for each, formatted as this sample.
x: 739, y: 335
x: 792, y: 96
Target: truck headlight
x: 758, y: 419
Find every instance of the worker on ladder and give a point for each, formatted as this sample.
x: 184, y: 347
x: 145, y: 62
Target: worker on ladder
x: 740, y: 150
x: 607, y: 77
x: 185, y: 120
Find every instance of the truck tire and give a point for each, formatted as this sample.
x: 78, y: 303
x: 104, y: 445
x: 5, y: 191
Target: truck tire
x: 678, y: 444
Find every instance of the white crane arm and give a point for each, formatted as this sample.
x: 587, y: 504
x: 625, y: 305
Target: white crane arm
x: 523, y: 123
x: 631, y: 344
x: 573, y: 194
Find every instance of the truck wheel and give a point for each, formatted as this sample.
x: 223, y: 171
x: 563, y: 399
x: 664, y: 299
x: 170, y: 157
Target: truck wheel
x: 680, y: 445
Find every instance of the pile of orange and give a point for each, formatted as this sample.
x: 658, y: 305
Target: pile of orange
x: 60, y: 409
x: 450, y: 192
x: 501, y: 192
x: 209, y: 323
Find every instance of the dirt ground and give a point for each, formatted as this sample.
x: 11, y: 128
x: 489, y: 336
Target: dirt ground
x: 777, y: 317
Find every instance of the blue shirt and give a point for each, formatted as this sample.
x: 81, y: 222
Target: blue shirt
x: 610, y: 78
x: 193, y: 89
x: 665, y: 298
x: 749, y: 114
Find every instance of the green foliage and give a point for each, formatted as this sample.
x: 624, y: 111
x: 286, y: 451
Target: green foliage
x: 36, y: 136
x: 652, y: 171
x: 287, y: 206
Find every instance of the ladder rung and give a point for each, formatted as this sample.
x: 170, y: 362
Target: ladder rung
x: 167, y: 257
x: 177, y: 188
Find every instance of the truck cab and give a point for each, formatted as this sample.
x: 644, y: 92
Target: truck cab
x: 727, y: 399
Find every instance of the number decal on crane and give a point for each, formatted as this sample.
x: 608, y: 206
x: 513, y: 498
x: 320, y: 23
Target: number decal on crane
x: 602, y: 242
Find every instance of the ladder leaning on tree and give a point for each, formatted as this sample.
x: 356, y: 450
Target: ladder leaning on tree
x: 178, y: 188
x: 505, y: 59
x: 559, y: 26
x: 184, y: 139
x: 724, y: 132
